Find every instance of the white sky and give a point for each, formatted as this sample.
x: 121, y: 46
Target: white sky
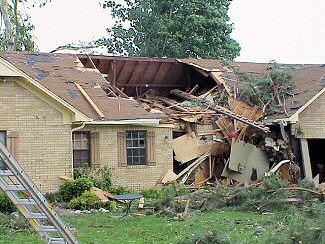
x: 287, y: 31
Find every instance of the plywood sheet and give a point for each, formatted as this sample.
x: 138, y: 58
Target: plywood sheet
x: 186, y: 148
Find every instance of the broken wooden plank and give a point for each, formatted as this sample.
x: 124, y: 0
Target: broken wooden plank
x: 171, y: 176
x: 220, y: 109
x: 91, y: 102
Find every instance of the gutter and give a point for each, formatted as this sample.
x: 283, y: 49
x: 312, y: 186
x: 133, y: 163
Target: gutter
x: 143, y: 122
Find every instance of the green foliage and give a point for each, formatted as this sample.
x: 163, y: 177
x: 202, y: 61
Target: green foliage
x: 87, y: 201
x: 167, y: 198
x: 120, y: 190
x: 171, y: 28
x: 70, y: 189
x: 269, y: 91
x: 152, y: 193
x: 6, y: 205
x: 101, y: 177
x: 14, y: 221
x: 25, y: 40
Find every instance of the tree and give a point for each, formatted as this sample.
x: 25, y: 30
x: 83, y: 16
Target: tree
x: 269, y: 92
x: 17, y: 32
x: 178, y: 28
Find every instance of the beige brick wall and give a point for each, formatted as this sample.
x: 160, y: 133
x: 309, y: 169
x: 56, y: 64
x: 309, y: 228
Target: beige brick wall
x: 44, y: 143
x: 136, y: 177
x: 312, y: 119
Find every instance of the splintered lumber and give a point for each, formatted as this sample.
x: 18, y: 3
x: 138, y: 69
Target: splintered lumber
x: 217, y: 77
x: 170, y: 176
x: 221, y: 110
x: 118, y: 91
x: 226, y: 126
x: 185, y: 213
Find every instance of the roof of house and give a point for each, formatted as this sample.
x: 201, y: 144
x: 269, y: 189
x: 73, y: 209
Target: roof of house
x: 308, y: 81
x: 62, y: 74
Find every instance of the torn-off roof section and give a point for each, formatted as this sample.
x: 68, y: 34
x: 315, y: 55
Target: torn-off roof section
x: 60, y: 73
x: 137, y: 74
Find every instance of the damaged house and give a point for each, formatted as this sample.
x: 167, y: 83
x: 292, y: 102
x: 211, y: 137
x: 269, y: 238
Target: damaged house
x: 149, y: 120
x: 300, y: 119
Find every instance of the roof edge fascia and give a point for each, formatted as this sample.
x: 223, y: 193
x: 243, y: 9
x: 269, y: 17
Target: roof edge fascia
x: 79, y: 116
x: 295, y: 117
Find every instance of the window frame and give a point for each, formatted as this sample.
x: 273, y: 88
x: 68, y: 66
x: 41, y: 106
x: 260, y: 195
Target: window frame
x: 136, y: 147
x: 82, y: 149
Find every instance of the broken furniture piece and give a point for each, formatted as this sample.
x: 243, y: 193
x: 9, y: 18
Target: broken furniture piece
x: 128, y: 198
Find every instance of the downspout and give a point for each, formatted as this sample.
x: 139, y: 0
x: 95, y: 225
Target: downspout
x: 73, y: 130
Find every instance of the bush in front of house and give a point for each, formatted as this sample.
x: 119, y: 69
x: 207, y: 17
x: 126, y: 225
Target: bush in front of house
x: 101, y: 177
x: 87, y: 201
x: 70, y: 189
x: 6, y: 205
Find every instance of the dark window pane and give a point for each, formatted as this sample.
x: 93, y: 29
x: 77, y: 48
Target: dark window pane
x: 136, y: 147
x: 135, y: 152
x: 81, y: 148
x: 142, y: 143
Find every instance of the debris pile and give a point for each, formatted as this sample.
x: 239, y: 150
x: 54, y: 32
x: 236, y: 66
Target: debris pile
x: 213, y: 142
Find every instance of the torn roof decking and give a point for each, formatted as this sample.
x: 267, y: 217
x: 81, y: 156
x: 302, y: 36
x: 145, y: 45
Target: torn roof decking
x: 60, y: 73
x: 163, y: 74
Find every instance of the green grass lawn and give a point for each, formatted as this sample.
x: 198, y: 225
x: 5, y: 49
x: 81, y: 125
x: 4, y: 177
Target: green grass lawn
x: 101, y: 228
x: 291, y: 225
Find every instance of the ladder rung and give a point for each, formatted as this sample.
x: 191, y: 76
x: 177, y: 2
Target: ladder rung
x: 14, y: 188
x: 46, y: 228
x: 36, y: 216
x: 6, y: 172
x: 57, y: 241
x: 26, y: 202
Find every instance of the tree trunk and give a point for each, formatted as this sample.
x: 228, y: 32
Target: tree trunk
x: 9, y: 43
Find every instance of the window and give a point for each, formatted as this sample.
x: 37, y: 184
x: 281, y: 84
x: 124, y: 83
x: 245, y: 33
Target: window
x: 81, y: 148
x: 136, y: 148
x: 3, y: 140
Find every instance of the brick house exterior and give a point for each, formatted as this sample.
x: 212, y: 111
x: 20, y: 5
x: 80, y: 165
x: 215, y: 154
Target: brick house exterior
x: 57, y: 110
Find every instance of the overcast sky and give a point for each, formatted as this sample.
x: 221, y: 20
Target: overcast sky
x: 287, y: 31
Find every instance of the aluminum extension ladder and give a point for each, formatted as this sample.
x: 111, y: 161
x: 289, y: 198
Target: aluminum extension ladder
x: 31, y: 202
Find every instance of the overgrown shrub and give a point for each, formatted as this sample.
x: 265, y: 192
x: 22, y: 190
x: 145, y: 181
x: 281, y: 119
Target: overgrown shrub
x: 101, y: 177
x: 152, y: 193
x: 70, y: 189
x: 6, y: 205
x: 87, y: 201
x: 120, y: 190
